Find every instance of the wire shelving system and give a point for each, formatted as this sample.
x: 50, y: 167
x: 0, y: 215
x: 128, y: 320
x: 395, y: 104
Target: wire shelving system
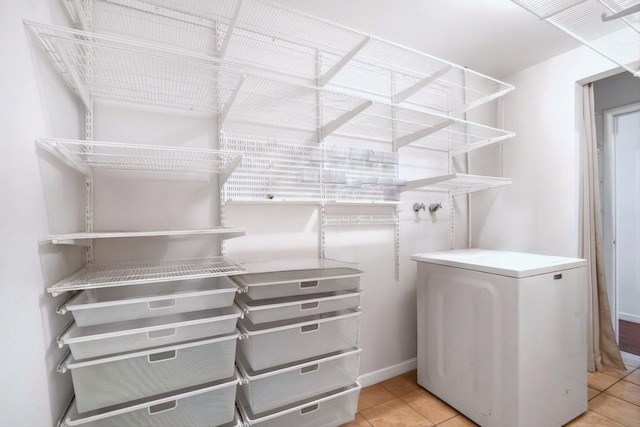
x: 255, y: 61
x: 87, y: 156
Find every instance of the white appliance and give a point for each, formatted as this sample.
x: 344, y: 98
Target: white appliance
x: 502, y: 335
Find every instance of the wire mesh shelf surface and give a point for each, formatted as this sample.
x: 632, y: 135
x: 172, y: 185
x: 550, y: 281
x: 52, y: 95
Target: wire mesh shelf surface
x: 85, y: 155
x: 80, y: 237
x: 610, y: 27
x: 132, y: 273
x: 102, y: 66
x: 274, y: 37
x: 458, y: 183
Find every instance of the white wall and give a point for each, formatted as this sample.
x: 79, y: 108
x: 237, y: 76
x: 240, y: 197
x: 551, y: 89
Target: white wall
x: 539, y: 212
x: 36, y: 195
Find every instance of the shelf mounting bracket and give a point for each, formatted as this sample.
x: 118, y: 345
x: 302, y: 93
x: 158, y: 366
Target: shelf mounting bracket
x: 231, y: 99
x: 326, y: 78
x: 408, y: 139
x: 224, y: 175
x: 230, y: 28
x: 421, y: 84
x: 471, y: 105
x: 621, y: 14
x: 337, y: 123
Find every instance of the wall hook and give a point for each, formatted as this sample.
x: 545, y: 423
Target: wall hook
x: 418, y: 206
x: 434, y: 207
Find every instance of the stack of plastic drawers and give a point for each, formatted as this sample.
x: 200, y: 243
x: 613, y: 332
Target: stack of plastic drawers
x: 298, y: 350
x: 159, y: 354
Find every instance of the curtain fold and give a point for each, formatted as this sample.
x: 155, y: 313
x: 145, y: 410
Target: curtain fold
x: 602, y: 346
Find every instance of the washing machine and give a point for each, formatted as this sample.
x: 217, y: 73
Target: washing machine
x: 502, y: 335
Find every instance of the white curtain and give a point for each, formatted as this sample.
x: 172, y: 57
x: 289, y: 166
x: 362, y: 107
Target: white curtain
x: 603, y: 348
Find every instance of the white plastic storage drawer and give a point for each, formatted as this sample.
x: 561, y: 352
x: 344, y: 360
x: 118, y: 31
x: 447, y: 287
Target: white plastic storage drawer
x: 112, y: 338
x: 103, y: 382
x: 279, y: 279
x: 269, y: 389
x: 327, y: 410
x: 277, y: 343
x: 208, y: 405
x: 275, y: 309
x: 118, y: 304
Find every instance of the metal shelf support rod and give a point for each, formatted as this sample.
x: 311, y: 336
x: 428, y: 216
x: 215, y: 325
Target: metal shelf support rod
x: 421, y: 84
x: 326, y: 78
x: 408, y: 139
x: 622, y: 13
x: 337, y: 123
x: 471, y: 105
x: 230, y: 28
x: 231, y: 99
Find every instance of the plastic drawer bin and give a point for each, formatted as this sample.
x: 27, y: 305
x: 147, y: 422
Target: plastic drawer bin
x: 112, y: 338
x: 103, y: 382
x: 269, y: 389
x: 275, y: 309
x: 208, y: 405
x: 277, y: 343
x: 277, y: 279
x: 118, y: 304
x: 326, y: 410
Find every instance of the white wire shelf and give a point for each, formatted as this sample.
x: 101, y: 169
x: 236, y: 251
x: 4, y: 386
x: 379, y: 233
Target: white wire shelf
x: 102, y: 66
x: 87, y: 155
x: 610, y: 27
x: 84, y: 238
x: 283, y: 40
x: 458, y: 183
x: 134, y: 273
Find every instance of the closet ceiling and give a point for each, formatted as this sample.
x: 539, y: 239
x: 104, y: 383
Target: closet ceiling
x: 494, y: 37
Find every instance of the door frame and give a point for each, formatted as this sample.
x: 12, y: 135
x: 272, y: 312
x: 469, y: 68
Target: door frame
x: 609, y: 201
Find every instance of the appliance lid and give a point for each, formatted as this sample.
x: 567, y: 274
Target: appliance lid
x: 504, y: 263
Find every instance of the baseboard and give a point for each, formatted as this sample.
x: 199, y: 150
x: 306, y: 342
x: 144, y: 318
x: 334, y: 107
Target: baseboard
x: 375, y: 377
x: 629, y: 317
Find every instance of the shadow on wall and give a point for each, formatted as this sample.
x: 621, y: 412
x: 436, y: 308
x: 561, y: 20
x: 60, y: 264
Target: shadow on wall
x: 64, y: 201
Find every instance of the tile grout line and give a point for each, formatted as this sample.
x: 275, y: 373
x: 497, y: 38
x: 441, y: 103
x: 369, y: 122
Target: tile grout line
x: 615, y: 397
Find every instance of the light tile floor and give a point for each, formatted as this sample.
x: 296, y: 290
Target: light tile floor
x: 614, y: 400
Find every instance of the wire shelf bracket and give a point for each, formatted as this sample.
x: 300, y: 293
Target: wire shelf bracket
x: 326, y: 77
x: 408, y: 139
x: 410, y: 91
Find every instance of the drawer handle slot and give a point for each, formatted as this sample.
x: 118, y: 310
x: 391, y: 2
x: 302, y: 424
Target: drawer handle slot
x: 162, y: 357
x: 309, y: 328
x: 309, y: 306
x: 163, y: 407
x: 309, y: 369
x: 156, y: 305
x: 557, y: 276
x: 152, y: 335
x: 309, y: 285
x: 309, y: 409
